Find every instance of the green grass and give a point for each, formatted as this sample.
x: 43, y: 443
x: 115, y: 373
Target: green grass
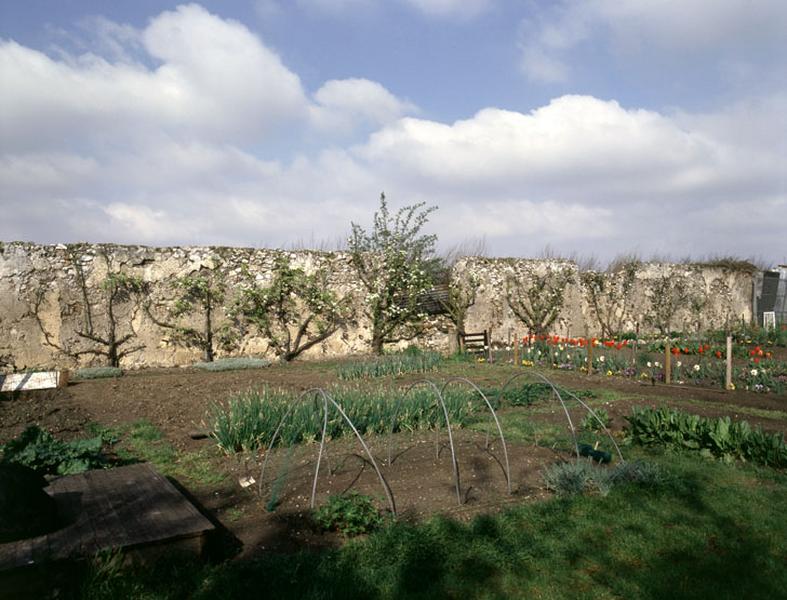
x: 143, y: 441
x: 710, y: 531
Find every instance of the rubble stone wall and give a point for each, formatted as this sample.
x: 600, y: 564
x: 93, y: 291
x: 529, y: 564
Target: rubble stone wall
x: 42, y: 300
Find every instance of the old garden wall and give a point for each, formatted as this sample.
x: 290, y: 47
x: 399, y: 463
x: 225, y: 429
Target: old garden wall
x: 44, y: 290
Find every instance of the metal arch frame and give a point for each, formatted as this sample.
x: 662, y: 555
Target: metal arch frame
x: 565, y: 410
x: 326, y: 398
x: 507, y: 470
x: 559, y: 397
x: 441, y: 402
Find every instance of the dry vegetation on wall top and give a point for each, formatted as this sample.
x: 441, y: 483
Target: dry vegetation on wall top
x: 58, y: 302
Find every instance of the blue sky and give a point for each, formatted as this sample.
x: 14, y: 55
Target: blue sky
x: 596, y: 127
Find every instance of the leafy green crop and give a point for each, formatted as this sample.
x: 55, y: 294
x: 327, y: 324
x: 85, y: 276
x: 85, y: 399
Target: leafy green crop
x: 720, y: 437
x: 41, y: 451
x: 350, y: 514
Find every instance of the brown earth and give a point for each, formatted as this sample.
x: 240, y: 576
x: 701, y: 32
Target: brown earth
x: 177, y: 401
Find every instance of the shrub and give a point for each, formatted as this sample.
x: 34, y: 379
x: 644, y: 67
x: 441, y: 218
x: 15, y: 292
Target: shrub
x: 233, y: 364
x: 97, y: 373
x: 571, y: 478
x: 41, y: 451
x: 350, y: 514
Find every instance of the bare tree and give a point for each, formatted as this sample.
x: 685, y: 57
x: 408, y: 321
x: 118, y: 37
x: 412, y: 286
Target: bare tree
x: 537, y: 301
x: 120, y: 296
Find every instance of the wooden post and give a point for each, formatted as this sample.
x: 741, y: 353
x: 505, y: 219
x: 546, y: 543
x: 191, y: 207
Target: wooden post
x: 667, y: 363
x: 728, y: 376
x: 590, y: 357
x: 516, y: 352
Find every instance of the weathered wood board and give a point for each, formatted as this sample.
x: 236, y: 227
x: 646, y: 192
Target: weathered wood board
x: 41, y: 380
x: 126, y: 507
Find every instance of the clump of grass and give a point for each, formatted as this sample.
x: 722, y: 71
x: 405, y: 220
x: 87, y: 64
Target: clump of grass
x: 248, y: 420
x: 233, y: 364
x: 394, y: 364
x: 96, y: 373
x: 143, y: 441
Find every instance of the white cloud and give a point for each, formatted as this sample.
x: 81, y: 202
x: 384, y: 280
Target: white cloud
x: 342, y: 103
x: 215, y: 80
x: 573, y: 137
x: 725, y: 29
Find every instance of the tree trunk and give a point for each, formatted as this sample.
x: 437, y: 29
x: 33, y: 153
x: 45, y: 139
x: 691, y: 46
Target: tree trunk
x: 208, y: 334
x: 377, y: 343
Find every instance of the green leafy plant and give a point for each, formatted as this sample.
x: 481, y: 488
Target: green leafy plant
x: 719, y: 437
x: 350, y: 514
x: 591, y: 423
x: 248, y: 419
x: 41, y: 451
x: 97, y: 373
x: 584, y: 476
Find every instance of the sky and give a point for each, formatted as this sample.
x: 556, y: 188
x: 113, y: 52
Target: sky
x: 593, y: 127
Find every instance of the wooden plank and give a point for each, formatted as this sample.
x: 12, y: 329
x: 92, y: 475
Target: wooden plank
x: 40, y: 380
x: 116, y: 508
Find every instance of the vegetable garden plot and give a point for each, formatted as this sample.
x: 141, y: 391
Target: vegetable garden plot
x: 318, y: 415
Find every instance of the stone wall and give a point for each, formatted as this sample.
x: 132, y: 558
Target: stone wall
x: 42, y: 300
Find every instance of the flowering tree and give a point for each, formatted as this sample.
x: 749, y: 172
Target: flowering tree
x: 295, y: 311
x: 394, y: 263
x: 538, y: 302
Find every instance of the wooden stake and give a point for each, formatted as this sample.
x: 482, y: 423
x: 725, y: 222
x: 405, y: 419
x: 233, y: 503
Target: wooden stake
x: 516, y: 352
x: 667, y: 363
x: 728, y: 377
x: 590, y: 357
